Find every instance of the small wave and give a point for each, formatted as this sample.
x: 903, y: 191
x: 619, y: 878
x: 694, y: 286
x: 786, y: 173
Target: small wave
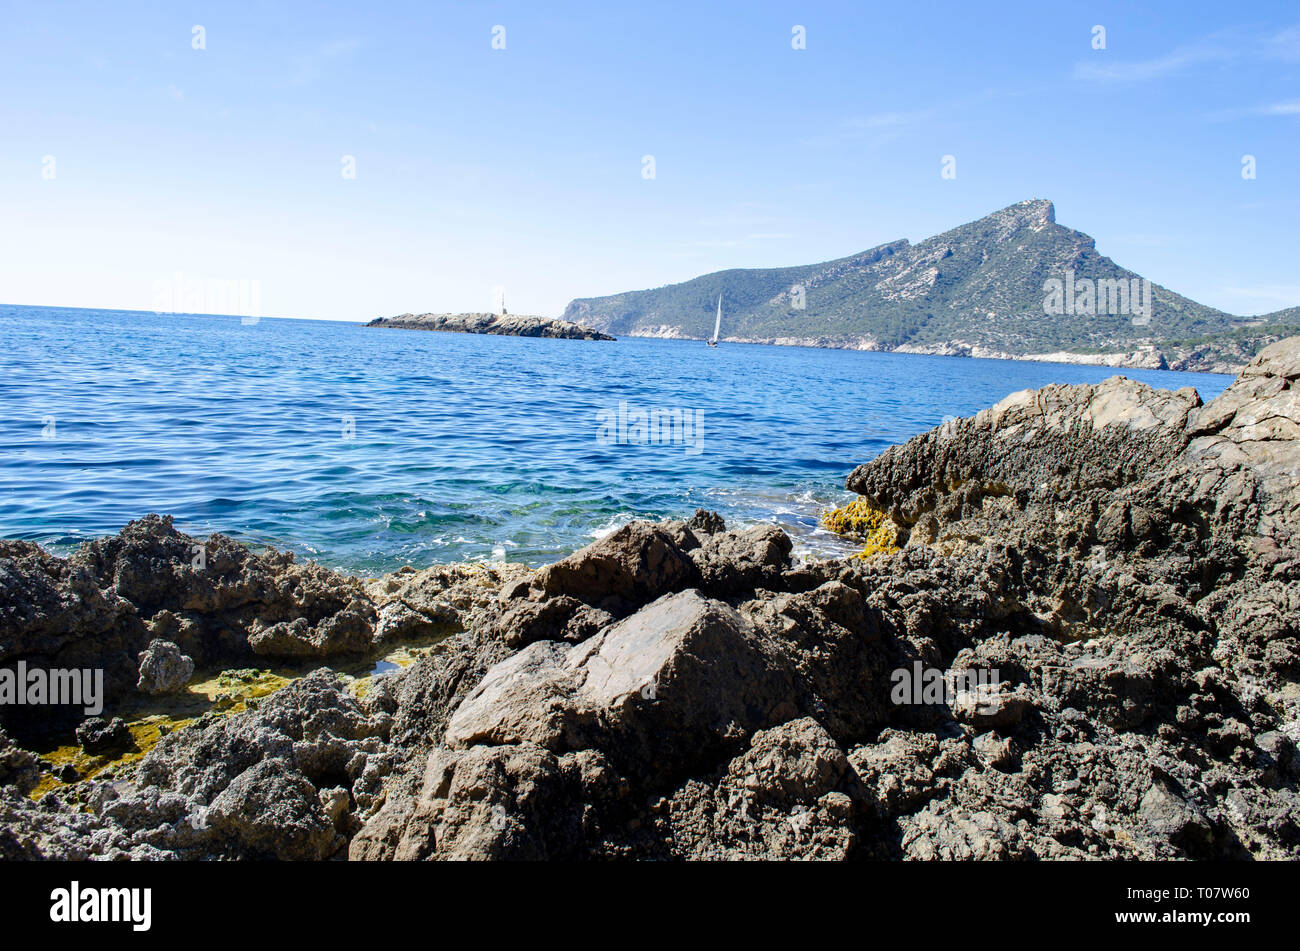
x: 611, y: 526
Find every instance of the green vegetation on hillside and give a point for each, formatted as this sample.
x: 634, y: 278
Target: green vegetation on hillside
x: 981, y: 285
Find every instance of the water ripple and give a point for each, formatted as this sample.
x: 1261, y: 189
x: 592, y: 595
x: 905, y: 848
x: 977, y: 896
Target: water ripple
x: 369, y: 449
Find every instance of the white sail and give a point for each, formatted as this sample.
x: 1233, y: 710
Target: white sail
x: 717, y: 324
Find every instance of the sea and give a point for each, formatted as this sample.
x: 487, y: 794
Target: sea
x: 367, y: 449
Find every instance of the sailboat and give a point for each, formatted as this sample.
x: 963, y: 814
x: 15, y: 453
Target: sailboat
x: 717, y: 325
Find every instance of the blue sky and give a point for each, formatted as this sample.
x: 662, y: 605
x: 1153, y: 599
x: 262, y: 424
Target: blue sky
x: 522, y: 167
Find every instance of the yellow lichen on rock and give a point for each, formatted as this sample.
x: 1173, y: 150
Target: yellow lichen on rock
x: 859, y: 519
x: 233, y: 691
x: 151, y: 718
x: 882, y: 541
x: 361, y: 681
x: 145, y: 734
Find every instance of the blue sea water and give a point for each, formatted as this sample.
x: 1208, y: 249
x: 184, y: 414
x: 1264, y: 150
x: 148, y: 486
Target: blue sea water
x: 368, y: 449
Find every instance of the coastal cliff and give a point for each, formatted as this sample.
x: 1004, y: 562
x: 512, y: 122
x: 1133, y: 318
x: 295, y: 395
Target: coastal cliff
x: 509, y: 325
x: 1112, y: 571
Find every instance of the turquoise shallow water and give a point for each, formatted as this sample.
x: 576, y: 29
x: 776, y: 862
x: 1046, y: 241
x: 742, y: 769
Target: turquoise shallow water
x: 368, y: 449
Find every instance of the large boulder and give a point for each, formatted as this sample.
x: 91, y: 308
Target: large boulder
x: 658, y: 691
x: 1056, y: 441
x: 624, y: 570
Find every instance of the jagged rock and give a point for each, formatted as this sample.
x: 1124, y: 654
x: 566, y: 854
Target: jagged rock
x: 904, y: 770
x: 248, y: 786
x: 271, y: 809
x: 561, y: 618
x: 1060, y: 440
x: 962, y: 836
x: 729, y: 562
x: 795, y: 762
x: 349, y: 632
x: 1168, y: 816
x: 704, y: 522
x: 335, y: 802
x: 163, y: 668
x: 656, y: 690
x: 994, y: 751
x: 97, y: 735
x: 441, y: 600
x: 990, y: 706
x: 219, y: 602
x: 628, y: 568
x: 18, y: 767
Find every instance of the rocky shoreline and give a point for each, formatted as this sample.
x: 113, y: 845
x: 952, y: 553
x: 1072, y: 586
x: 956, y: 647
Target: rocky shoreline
x: 508, y: 325
x: 1113, y: 572
x: 1221, y: 358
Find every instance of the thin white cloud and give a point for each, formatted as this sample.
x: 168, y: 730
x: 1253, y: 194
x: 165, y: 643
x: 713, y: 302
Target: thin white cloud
x: 1284, y: 45
x: 1285, y: 109
x: 884, y: 120
x: 1103, y: 69
x: 1218, y: 48
x: 1280, y: 109
x: 874, y: 129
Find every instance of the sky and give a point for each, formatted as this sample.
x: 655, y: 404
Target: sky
x: 149, y: 147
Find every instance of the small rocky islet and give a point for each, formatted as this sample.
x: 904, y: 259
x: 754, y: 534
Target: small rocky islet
x: 505, y: 325
x: 1127, y: 560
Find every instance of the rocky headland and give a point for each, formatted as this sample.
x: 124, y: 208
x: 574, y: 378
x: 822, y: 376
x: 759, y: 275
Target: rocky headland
x: 1125, y: 560
x: 983, y: 289
x: 509, y: 325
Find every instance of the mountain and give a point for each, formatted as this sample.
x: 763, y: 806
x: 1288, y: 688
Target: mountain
x: 978, y: 290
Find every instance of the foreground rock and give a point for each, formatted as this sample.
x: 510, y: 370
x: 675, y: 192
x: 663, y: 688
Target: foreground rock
x: 163, y: 668
x: 266, y: 784
x: 509, y: 325
x: 1104, y: 582
x: 151, y: 604
x: 217, y: 601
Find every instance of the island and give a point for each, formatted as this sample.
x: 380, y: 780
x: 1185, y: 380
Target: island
x: 509, y: 325
x: 1014, y: 285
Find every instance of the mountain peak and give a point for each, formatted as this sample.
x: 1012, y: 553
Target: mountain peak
x: 1032, y: 213
x: 978, y: 288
